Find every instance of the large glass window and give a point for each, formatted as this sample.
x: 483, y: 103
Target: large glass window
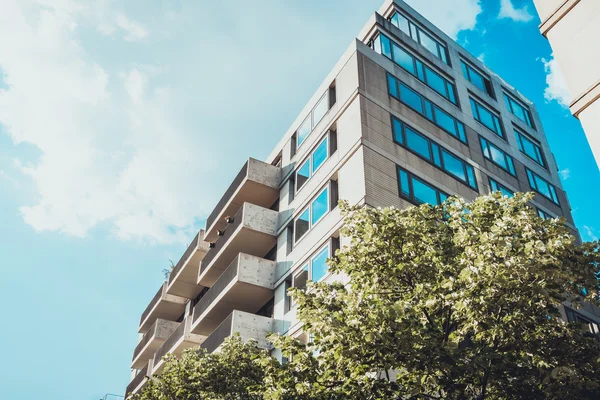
x: 497, y: 156
x: 419, y: 35
x: 486, y: 117
x: 312, y: 214
x: 318, y: 264
x: 315, y: 116
x: 426, y: 108
x: 476, y: 78
x: 418, y: 191
x: 312, y: 163
x: 530, y: 147
x: 543, y: 214
x: 542, y: 186
x: 519, y: 110
x: 426, y: 148
x: 415, y: 67
x: 497, y: 187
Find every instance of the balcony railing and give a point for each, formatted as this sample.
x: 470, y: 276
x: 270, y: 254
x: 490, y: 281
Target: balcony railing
x: 136, y: 381
x: 227, y: 195
x: 152, y: 303
x: 218, y: 336
x: 224, y: 280
x: 169, y: 343
x: 147, y: 337
x: 222, y: 241
x: 188, y: 252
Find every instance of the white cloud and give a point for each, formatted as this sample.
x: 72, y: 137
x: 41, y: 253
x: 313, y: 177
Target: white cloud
x: 556, y: 86
x: 135, y: 30
x: 589, y: 234
x: 481, y: 57
x: 450, y: 16
x: 508, y: 10
x: 565, y: 174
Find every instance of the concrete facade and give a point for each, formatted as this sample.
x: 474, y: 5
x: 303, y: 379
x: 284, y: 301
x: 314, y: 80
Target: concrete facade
x: 341, y: 147
x: 573, y: 28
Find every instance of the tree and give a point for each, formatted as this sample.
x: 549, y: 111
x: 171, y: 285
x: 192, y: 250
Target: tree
x: 458, y: 301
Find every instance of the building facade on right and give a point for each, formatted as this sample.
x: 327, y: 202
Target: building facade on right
x: 573, y: 29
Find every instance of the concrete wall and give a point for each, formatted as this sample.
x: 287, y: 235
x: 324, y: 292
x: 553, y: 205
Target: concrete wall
x: 256, y: 270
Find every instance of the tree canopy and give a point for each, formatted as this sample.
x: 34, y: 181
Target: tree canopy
x: 458, y: 301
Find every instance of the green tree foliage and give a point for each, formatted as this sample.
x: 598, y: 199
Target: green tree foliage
x: 458, y: 301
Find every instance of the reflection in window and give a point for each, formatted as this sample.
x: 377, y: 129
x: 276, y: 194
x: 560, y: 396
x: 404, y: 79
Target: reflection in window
x: 426, y: 108
x: 497, y: 156
x: 319, y: 206
x: 486, y: 118
x: 314, y: 212
x: 477, y: 79
x: 418, y: 191
x: 542, y: 186
x: 519, y: 110
x: 530, y: 148
x: 318, y: 264
x: 302, y: 224
x: 420, y: 36
x: 312, y: 163
x: 497, y: 187
x: 302, y: 174
x: 543, y: 214
x: 424, y: 147
x: 315, y: 116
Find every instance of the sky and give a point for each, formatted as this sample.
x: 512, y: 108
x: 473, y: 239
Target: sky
x: 122, y: 123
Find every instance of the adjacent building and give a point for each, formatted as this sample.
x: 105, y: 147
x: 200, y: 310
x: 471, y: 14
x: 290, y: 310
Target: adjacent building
x: 573, y: 29
x: 406, y: 116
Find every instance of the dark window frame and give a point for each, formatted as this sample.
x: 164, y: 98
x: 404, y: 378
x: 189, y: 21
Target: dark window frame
x: 501, y: 188
x: 520, y: 135
x: 490, y: 159
x: 533, y: 185
x: 477, y: 117
x: 529, y: 115
x: 467, y: 68
x: 411, y: 198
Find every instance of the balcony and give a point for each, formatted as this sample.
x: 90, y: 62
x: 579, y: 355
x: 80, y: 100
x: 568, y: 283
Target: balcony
x: 249, y: 326
x: 152, y: 340
x: 256, y: 183
x: 179, y: 340
x: 246, y: 285
x: 138, y: 381
x: 164, y: 306
x: 184, y: 277
x: 252, y: 231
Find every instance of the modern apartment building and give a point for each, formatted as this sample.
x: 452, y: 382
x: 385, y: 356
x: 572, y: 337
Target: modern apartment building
x: 406, y: 116
x: 573, y: 28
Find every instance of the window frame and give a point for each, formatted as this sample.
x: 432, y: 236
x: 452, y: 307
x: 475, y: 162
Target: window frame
x: 429, y: 109
x: 543, y: 214
x: 327, y: 97
x: 552, y: 189
x: 309, y: 207
x: 411, y: 198
x: 439, y: 149
x: 501, y: 188
x: 520, y: 136
x: 307, y: 265
x: 311, y: 162
x: 489, y: 157
x: 476, y: 115
x: 509, y: 99
x: 467, y: 68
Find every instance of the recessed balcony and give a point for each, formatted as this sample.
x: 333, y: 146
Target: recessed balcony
x: 252, y: 231
x: 138, y: 381
x: 164, y: 306
x: 152, y: 340
x: 249, y: 326
x: 183, y: 280
x: 180, y: 339
x: 246, y: 285
x: 256, y: 183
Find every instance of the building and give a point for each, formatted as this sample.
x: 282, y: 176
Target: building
x: 406, y: 116
x: 572, y: 28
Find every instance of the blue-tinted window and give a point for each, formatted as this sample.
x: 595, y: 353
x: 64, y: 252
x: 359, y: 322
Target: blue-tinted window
x: 486, y: 118
x: 542, y: 186
x: 543, y: 214
x: 415, y: 67
x: 419, y: 35
x: 419, y: 144
x: 497, y: 156
x: 320, y: 154
x: 530, y: 148
x: 315, y: 116
x: 319, y: 206
x: 303, y: 131
x: 432, y: 112
x: 519, y: 110
x: 318, y: 264
x: 302, y: 224
x: 320, y: 109
x: 418, y: 191
x: 497, y: 187
x: 477, y: 78
x: 303, y: 174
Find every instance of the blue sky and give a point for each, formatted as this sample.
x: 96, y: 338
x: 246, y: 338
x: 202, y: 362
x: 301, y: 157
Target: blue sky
x: 121, y: 125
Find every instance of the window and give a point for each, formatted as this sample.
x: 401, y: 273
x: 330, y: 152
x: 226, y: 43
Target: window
x: 519, y: 110
x: 497, y: 187
x: 574, y: 316
x: 313, y: 213
x: 425, y: 148
x: 312, y: 163
x: 542, y: 186
x: 315, y: 116
x: 315, y: 269
x: 383, y: 45
x: 486, y: 118
x: 497, y: 156
x: 530, y: 147
x: 476, y: 78
x: 426, y: 108
x: 420, y: 36
x: 543, y: 214
x: 417, y: 191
